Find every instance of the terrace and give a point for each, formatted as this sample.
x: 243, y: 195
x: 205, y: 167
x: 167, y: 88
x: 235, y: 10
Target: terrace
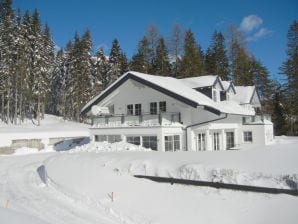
x: 144, y: 119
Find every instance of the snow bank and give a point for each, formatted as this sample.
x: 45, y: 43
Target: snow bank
x: 8, y: 216
x: 108, y: 147
x: 92, y: 177
x: 51, y: 127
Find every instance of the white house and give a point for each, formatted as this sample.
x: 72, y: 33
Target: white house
x: 169, y: 114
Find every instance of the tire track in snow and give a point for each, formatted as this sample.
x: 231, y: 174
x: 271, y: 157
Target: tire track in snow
x: 22, y: 186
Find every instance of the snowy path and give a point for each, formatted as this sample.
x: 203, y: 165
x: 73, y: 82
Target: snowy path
x: 22, y: 186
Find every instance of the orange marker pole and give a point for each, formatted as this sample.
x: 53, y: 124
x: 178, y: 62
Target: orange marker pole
x: 7, y: 204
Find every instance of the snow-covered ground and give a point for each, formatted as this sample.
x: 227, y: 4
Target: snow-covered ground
x: 51, y: 127
x: 76, y: 186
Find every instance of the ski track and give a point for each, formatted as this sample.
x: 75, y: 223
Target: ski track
x: 21, y: 185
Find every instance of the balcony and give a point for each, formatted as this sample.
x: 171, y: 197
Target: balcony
x: 162, y: 119
x: 257, y: 119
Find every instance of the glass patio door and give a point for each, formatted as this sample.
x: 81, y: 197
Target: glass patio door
x: 230, y: 140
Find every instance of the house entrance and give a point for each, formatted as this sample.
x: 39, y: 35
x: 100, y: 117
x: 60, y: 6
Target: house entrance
x: 230, y: 140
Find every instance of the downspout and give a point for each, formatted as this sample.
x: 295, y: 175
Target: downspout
x: 200, y: 123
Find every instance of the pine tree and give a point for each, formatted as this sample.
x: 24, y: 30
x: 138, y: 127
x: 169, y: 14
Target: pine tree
x: 192, y: 60
x: 261, y: 78
x: 239, y: 58
x: 161, y: 64
x: 279, y: 111
x: 84, y: 78
x: 115, y: 61
x: 7, y: 69
x: 102, y: 69
x: 124, y: 64
x: 216, y: 59
x: 290, y: 69
x: 141, y: 60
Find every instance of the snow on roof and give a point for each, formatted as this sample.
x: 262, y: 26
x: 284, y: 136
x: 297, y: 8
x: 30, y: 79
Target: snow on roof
x: 243, y: 94
x: 200, y: 81
x: 177, y: 86
x: 226, y: 84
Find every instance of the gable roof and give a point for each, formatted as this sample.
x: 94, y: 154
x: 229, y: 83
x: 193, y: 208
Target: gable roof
x: 202, y: 81
x: 228, y: 85
x: 171, y: 87
x: 245, y: 94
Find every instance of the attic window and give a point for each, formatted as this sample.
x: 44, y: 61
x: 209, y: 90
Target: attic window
x: 214, y: 95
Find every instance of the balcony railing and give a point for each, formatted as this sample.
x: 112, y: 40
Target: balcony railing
x: 256, y: 119
x: 162, y: 119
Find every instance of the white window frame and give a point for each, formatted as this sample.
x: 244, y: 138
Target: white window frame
x: 246, y: 138
x: 172, y: 143
x: 201, y: 141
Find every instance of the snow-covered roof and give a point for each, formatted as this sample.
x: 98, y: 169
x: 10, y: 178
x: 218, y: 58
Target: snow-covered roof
x: 171, y: 86
x: 227, y: 85
x: 200, y: 81
x: 244, y: 94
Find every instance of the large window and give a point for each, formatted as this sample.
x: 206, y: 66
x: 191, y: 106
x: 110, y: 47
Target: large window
x: 108, y: 138
x: 153, y: 108
x: 100, y: 138
x: 114, y: 138
x: 150, y: 142
x: 138, y: 109
x: 247, y: 136
x: 133, y: 140
x: 172, y: 143
x: 162, y: 106
x: 130, y: 109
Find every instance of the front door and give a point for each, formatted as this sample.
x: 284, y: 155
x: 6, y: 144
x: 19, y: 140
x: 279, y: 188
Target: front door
x: 215, y: 141
x: 230, y: 140
x: 201, y: 142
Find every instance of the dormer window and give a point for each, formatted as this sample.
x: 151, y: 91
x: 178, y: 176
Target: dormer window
x: 214, y: 95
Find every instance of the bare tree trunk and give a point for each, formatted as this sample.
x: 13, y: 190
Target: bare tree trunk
x: 38, y: 111
x: 16, y: 106
x: 2, y: 107
x: 8, y: 106
x: 42, y: 111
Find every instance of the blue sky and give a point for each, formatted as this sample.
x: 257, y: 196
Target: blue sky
x: 265, y: 23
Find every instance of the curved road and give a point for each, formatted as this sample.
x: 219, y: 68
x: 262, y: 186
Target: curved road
x: 20, y: 183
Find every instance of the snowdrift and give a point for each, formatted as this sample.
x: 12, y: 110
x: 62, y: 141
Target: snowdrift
x: 8, y: 216
x: 92, y: 177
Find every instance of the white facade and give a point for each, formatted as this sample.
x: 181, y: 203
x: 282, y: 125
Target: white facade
x: 150, y: 111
